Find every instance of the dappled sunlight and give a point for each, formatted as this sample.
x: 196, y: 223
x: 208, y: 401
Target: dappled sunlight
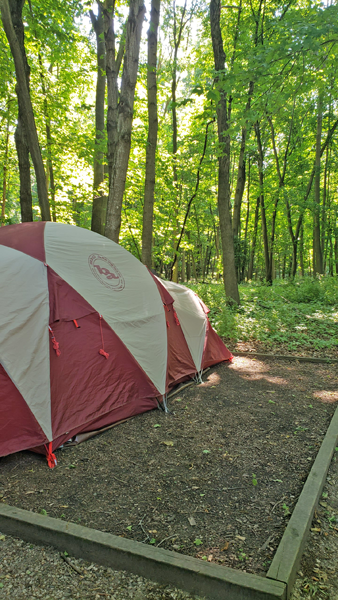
x: 247, y: 365
x: 276, y: 380
x: 212, y: 380
x: 254, y: 370
x: 326, y: 396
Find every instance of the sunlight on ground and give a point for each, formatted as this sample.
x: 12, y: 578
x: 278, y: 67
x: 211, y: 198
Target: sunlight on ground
x: 326, y: 396
x: 248, y: 365
x: 213, y: 379
x: 252, y: 370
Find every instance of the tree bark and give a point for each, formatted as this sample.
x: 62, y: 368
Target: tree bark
x: 262, y: 204
x: 229, y: 268
x: 99, y: 199
x: 21, y: 144
x: 178, y: 31
x: 125, y: 119
x: 24, y: 171
x: 5, y: 167
x: 241, y: 171
x: 149, y: 186
x: 254, y: 239
x: 49, y: 140
x: 317, y: 249
x: 15, y: 40
x: 113, y: 65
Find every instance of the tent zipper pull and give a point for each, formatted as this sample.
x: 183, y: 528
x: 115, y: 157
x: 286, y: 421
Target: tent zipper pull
x: 56, y: 344
x: 51, y: 458
x: 102, y: 351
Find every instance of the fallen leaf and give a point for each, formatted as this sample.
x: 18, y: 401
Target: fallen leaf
x: 316, y: 529
x: 240, y: 537
x: 168, y: 443
x: 225, y: 547
x: 192, y: 521
x: 210, y: 557
x: 2, y: 537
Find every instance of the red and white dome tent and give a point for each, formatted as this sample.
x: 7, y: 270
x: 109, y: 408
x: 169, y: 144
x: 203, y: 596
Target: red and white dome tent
x: 88, y: 336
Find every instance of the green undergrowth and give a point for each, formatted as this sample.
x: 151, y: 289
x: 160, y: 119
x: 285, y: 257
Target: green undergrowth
x: 295, y: 316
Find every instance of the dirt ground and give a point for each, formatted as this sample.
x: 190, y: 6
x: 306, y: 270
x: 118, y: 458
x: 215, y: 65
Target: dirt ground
x: 318, y: 574
x: 216, y: 479
x: 281, y: 349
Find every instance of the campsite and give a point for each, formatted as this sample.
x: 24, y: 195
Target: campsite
x: 148, y: 478
x: 168, y: 300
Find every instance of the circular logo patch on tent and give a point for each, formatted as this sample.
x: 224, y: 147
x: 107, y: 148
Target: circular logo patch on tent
x: 106, y: 272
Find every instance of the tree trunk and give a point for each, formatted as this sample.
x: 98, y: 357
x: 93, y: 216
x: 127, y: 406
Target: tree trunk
x: 149, y: 186
x: 301, y: 251
x: 183, y: 267
x: 236, y: 222
x: 229, y: 268
x: 254, y: 239
x: 49, y: 144
x: 246, y: 225
x: 99, y: 199
x: 125, y: 119
x: 178, y: 31
x: 5, y: 168
x: 317, y: 250
x: 24, y: 171
x: 262, y: 204
x: 11, y: 15
x: 325, y: 202
x: 113, y: 65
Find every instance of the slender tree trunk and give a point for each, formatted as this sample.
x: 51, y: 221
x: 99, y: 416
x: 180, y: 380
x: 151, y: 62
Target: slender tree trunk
x: 49, y: 144
x: 125, y: 119
x: 317, y: 250
x: 301, y: 251
x: 11, y: 15
x: 5, y: 168
x: 178, y: 31
x: 236, y: 221
x: 262, y: 204
x: 99, y: 199
x: 188, y: 270
x: 241, y: 174
x: 246, y: 226
x: 174, y: 275
x: 149, y: 186
x: 254, y: 239
x: 229, y: 268
x: 24, y: 170
x: 323, y: 211
x: 183, y: 267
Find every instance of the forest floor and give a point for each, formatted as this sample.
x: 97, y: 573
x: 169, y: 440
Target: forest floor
x: 291, y: 317
x: 216, y: 479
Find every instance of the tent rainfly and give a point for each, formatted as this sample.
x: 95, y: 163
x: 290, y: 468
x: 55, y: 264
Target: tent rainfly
x: 88, y: 336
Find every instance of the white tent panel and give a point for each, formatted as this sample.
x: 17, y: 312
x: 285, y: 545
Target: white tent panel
x: 192, y: 318
x: 24, y: 335
x: 118, y: 286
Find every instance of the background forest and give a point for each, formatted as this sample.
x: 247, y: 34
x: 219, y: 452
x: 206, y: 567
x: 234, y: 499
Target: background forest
x: 234, y: 120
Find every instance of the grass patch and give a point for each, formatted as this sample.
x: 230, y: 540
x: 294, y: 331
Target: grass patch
x: 299, y: 316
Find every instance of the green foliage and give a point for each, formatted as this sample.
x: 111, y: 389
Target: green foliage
x: 295, y: 316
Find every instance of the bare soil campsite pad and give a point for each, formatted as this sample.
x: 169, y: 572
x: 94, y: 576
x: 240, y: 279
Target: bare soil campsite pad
x: 216, y: 479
